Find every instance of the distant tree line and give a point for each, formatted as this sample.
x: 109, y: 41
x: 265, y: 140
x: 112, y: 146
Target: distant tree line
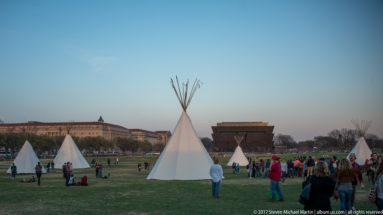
x: 343, y: 139
x: 50, y: 145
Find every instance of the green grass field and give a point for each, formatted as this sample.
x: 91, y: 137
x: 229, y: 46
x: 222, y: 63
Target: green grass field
x: 128, y: 192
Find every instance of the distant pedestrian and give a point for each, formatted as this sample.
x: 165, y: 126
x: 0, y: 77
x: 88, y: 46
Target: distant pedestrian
x: 275, y: 178
x: 139, y: 167
x: 13, y: 171
x: 116, y: 161
x: 267, y: 168
x: 233, y: 167
x: 64, y: 166
x: 284, y: 170
x: 52, y: 165
x: 146, y: 165
x: 100, y: 170
x: 237, y: 167
x: 38, y: 170
x: 97, y: 168
x: 216, y: 175
x: 48, y: 166
x: 67, y: 173
x: 108, y: 162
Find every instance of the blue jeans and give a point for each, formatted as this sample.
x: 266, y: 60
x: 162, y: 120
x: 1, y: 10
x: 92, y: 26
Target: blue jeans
x: 267, y: 170
x: 379, y: 204
x: 215, y: 188
x: 345, y: 199
x: 274, y: 186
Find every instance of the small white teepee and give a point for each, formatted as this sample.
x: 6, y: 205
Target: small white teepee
x: 69, y: 152
x: 26, y: 160
x: 361, y: 149
x: 238, y: 156
x: 184, y: 156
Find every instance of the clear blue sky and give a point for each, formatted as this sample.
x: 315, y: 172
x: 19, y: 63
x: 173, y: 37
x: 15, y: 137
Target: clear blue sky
x: 306, y: 67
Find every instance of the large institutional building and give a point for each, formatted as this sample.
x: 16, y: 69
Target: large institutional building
x: 258, y: 136
x: 86, y: 129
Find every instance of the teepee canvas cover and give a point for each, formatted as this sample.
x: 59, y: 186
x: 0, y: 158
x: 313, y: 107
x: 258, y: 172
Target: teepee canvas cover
x: 26, y: 160
x: 238, y: 156
x: 361, y: 151
x: 69, y: 152
x: 184, y: 156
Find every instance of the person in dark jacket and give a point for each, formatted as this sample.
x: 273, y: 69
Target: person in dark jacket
x: 38, y: 170
x: 310, y: 166
x: 322, y: 188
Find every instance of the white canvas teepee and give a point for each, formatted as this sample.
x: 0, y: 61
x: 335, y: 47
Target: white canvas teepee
x: 26, y: 160
x: 69, y: 152
x: 361, y: 149
x: 184, y: 156
x: 238, y: 156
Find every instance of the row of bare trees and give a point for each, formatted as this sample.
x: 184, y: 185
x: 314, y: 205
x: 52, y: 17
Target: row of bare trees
x: 343, y: 139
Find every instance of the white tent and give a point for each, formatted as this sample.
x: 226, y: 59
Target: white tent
x: 238, y: 156
x: 26, y: 160
x: 69, y: 152
x: 184, y: 156
x: 361, y: 151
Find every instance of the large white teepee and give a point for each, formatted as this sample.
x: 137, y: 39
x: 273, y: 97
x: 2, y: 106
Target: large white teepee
x: 184, y: 156
x: 361, y: 149
x: 238, y: 156
x: 69, y: 152
x: 26, y: 160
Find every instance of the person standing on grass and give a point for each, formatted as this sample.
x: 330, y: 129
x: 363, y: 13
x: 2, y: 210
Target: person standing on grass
x: 322, y: 188
x: 379, y: 187
x: 139, y: 167
x: 13, y: 171
x: 97, y: 169
x: 373, y: 168
x: 345, y: 175
x: 275, y: 177
x: 267, y: 168
x: 38, y: 170
x: 64, y: 166
x: 48, y: 166
x: 108, y: 162
x: 216, y: 174
x: 354, y: 165
x: 284, y: 170
x: 310, y: 166
x: 67, y: 173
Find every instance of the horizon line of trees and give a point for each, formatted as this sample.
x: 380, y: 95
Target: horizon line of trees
x: 337, y: 139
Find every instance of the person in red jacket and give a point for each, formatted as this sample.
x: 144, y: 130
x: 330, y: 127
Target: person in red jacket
x: 275, y: 178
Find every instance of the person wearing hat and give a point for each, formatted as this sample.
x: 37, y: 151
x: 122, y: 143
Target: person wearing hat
x: 275, y: 178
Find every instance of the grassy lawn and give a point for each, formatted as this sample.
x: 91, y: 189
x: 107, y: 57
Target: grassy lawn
x: 128, y: 192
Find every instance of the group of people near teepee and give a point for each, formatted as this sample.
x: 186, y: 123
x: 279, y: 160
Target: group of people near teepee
x: 321, y: 184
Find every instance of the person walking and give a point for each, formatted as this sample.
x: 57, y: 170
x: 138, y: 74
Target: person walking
x: 108, y: 162
x: 13, y: 171
x: 379, y: 187
x: 345, y: 175
x: 275, y: 178
x: 64, y: 166
x: 322, y: 188
x: 38, y: 170
x: 216, y: 174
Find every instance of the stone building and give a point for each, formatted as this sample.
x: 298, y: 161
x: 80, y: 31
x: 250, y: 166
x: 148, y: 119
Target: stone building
x: 258, y: 136
x: 152, y: 137
x: 77, y: 129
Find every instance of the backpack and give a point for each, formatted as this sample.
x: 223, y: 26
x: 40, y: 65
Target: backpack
x: 304, y: 197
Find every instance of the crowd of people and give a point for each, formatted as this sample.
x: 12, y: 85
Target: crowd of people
x: 324, y: 178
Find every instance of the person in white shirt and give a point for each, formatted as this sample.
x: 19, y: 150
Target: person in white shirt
x: 216, y: 175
